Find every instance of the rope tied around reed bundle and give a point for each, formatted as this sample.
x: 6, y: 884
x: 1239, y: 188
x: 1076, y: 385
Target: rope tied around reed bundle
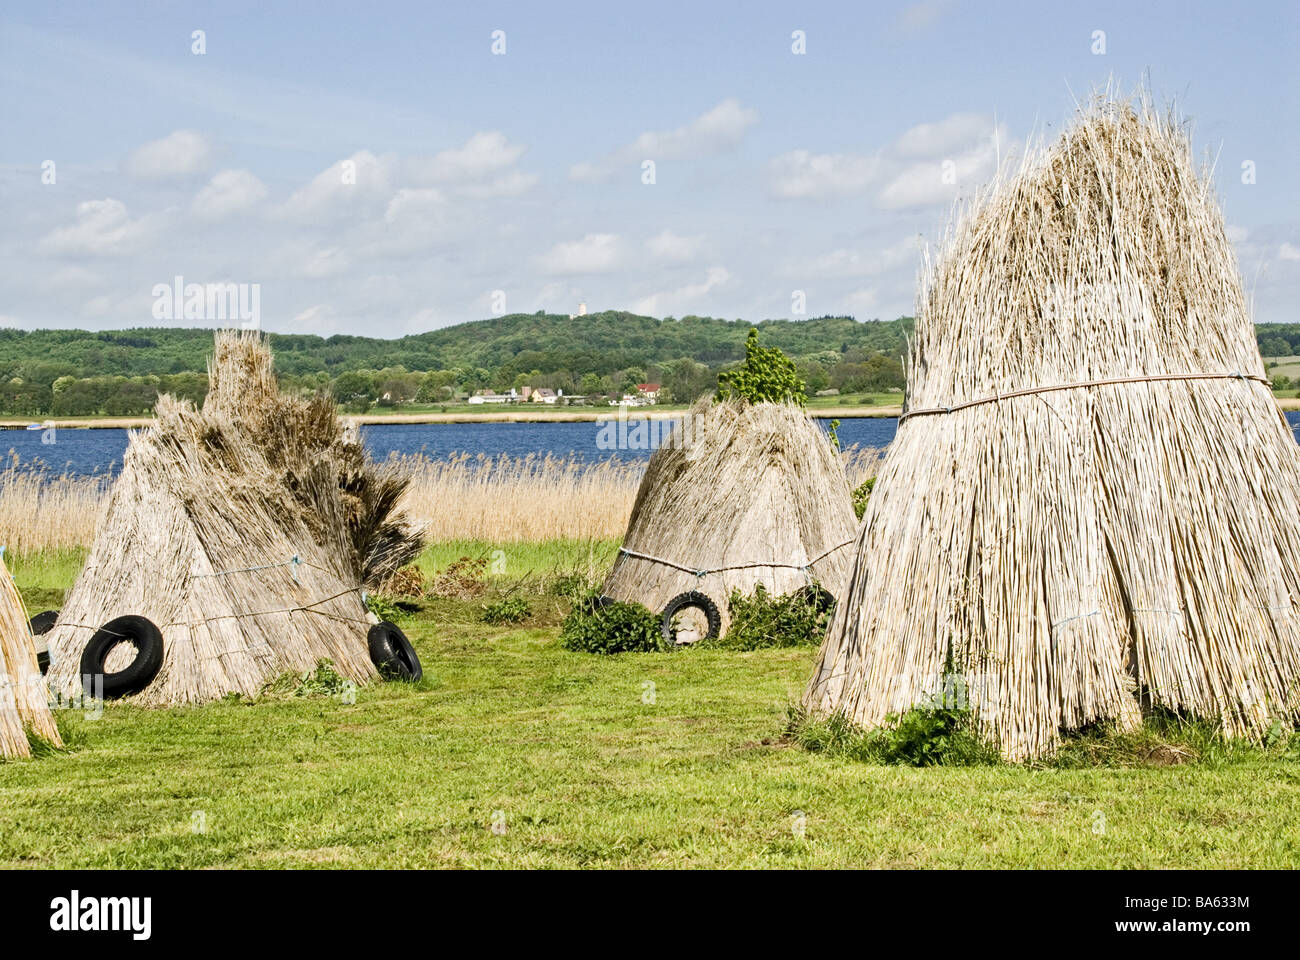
x: 805, y: 567
x: 293, y: 563
x: 1109, y: 381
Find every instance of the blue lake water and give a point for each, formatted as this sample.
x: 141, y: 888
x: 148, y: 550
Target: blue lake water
x: 100, y: 451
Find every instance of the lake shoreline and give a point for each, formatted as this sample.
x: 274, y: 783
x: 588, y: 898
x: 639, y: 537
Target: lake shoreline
x: 590, y: 415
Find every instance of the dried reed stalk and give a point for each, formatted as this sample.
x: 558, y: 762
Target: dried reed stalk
x: 751, y: 486
x: 202, y: 528
x: 24, y: 698
x: 1077, y: 555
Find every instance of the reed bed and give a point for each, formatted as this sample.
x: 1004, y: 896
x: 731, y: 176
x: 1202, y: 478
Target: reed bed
x: 1065, y: 557
x: 462, y: 497
x: 40, y: 511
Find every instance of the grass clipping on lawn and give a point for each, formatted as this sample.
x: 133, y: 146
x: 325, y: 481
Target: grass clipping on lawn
x: 1081, y: 554
x: 745, y: 486
x: 202, y: 526
x: 24, y: 699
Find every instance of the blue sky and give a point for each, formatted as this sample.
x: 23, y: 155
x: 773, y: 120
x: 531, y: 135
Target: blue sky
x: 521, y: 173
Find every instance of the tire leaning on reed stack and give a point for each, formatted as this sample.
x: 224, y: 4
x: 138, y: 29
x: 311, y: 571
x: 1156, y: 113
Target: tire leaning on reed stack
x: 392, y: 654
x: 146, y: 638
x: 685, y: 601
x: 40, y: 625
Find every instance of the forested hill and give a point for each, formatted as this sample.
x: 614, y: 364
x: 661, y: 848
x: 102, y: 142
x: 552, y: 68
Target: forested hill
x: 599, y: 343
x: 121, y: 372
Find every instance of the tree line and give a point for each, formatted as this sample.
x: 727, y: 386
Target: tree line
x: 121, y: 372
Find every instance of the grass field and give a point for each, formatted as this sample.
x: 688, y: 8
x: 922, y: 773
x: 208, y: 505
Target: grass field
x: 637, y: 760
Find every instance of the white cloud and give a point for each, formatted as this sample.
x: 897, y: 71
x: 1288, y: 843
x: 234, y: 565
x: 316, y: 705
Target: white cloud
x: 804, y: 175
x: 686, y: 297
x: 956, y: 132
x: 1289, y: 252
x: 670, y: 247
x: 354, y: 181
x: 180, y: 154
x: 483, y: 169
x: 228, y: 193
x: 594, y: 253
x: 851, y: 262
x: 713, y: 131
x: 937, y: 181
x: 484, y: 154
x: 103, y: 229
x: 925, y: 165
x: 1236, y: 234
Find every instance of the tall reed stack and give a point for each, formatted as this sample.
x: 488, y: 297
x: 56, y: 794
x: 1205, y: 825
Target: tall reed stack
x: 746, y: 494
x: 1092, y: 505
x: 245, y: 531
x: 24, y: 698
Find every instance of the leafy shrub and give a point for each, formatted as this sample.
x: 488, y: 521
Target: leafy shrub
x: 766, y: 376
x: 861, y: 495
x: 383, y: 607
x: 509, y: 609
x: 761, y: 620
x: 612, y: 628
x: 922, y: 737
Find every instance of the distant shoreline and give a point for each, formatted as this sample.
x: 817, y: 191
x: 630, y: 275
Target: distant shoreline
x: 581, y: 415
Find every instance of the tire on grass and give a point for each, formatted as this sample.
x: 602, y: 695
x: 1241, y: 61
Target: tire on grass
x: 392, y: 654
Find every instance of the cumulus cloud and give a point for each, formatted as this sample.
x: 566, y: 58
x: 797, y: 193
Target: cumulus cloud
x: 179, y: 154
x: 804, y: 175
x: 713, y: 131
x: 229, y: 193
x: 482, y: 155
x: 669, y: 247
x: 341, y: 188
x: 687, y: 296
x: 594, y: 253
x: 103, y: 228
x: 1288, y: 251
x: 925, y: 165
x: 483, y: 169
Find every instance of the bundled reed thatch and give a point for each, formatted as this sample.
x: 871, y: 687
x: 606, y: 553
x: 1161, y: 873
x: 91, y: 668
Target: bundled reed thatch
x: 24, y: 699
x: 750, y: 493
x: 245, y: 531
x: 1073, y: 552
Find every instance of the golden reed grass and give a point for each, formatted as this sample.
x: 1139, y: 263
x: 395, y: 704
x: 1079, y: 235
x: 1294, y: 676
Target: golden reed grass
x: 24, y: 698
x: 1066, y: 557
x: 463, y: 497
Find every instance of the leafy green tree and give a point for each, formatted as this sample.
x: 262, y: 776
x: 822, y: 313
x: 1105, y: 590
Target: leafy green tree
x: 766, y: 376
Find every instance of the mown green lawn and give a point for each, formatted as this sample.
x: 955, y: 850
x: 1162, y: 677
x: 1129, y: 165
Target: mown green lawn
x: 638, y: 760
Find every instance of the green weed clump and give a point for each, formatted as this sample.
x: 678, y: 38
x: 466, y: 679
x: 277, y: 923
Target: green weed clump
x: 761, y: 621
x: 921, y: 737
x: 611, y: 627
x: 509, y: 609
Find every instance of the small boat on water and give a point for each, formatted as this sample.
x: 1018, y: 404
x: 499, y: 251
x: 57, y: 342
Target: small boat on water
x: 35, y: 426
